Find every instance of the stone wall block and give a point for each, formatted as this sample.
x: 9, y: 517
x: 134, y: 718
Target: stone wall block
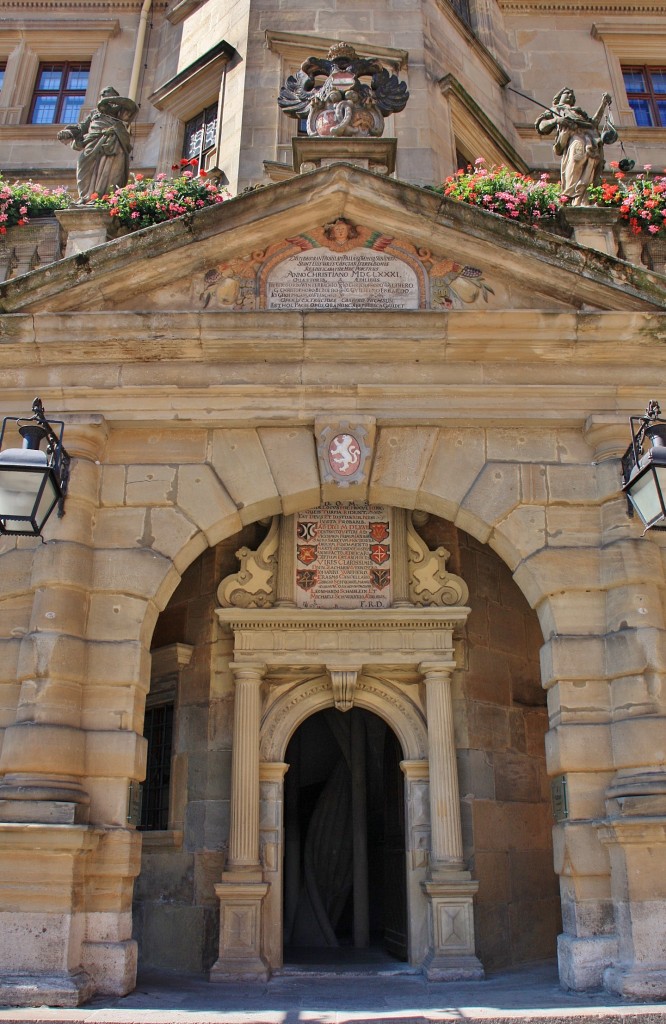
x: 632, y: 651
x: 639, y: 742
x: 108, y: 800
x: 175, y: 536
x: 616, y: 523
x: 203, y: 498
x: 517, y: 445
x: 572, y: 658
x: 636, y: 606
x: 62, y: 560
x: 533, y: 483
x: 400, y: 463
x: 579, y: 748
x: 553, y: 570
x: 113, y: 707
x: 631, y: 561
x: 577, y: 853
x: 112, y: 486
x: 579, y: 701
x: 573, y: 484
x: 150, y: 485
x: 60, y: 609
x: 586, y: 792
x: 572, y: 613
x: 495, y: 492
x: 570, y: 526
x: 173, y: 445
x: 240, y: 462
x: 135, y: 571
x: 457, y: 459
x: 118, y: 663
x: 121, y: 617
x: 111, y: 965
x: 119, y: 527
x: 52, y: 655
x: 116, y: 754
x: 292, y: 458
x: 519, y: 535
x: 44, y: 749
x: 16, y: 572
x: 15, y: 616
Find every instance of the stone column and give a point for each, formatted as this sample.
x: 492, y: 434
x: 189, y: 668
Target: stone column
x: 43, y: 754
x: 635, y: 837
x: 449, y: 887
x: 242, y: 889
x: 44, y: 806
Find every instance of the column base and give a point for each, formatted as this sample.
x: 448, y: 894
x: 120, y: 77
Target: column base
x: 67, y: 990
x: 582, y: 961
x: 450, y: 956
x: 240, y: 956
x: 636, y: 982
x: 453, y: 968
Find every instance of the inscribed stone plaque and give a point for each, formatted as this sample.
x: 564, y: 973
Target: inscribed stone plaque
x: 343, y: 556
x: 358, y: 279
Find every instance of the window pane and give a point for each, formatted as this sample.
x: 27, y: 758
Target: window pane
x: 641, y: 109
x: 658, y: 80
x: 77, y: 79
x: 634, y: 81
x: 661, y: 107
x: 44, y: 111
x: 71, y: 109
x: 50, y: 79
x: 2, y: 77
x: 209, y: 138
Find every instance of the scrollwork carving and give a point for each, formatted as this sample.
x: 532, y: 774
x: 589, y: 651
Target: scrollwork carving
x: 429, y: 581
x: 254, y: 585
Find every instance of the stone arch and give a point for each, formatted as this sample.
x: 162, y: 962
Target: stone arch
x: 290, y: 709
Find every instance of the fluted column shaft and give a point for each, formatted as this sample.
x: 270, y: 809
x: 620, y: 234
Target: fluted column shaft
x: 244, y: 828
x: 446, y: 832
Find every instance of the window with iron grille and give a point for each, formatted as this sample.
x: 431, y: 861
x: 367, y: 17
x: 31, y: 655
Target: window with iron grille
x: 646, y: 92
x: 200, y: 134
x: 158, y: 731
x: 59, y: 93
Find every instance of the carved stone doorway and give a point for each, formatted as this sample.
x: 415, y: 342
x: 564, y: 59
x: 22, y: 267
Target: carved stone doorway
x: 345, y: 861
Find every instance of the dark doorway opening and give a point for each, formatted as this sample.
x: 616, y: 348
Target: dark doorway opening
x: 344, y: 871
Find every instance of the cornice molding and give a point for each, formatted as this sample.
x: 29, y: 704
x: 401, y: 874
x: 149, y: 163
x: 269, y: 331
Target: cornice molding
x: 74, y: 6
x: 571, y: 7
x: 297, y: 47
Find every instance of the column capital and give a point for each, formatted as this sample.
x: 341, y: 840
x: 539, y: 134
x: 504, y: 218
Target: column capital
x: 442, y: 670
x: 248, y: 672
x: 85, y: 436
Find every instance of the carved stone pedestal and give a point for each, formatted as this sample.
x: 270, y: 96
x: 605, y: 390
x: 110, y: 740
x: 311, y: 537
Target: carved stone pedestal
x: 372, y: 154
x: 451, y: 929
x: 240, y: 956
x: 42, y: 927
x: 594, y: 227
x: 85, y: 227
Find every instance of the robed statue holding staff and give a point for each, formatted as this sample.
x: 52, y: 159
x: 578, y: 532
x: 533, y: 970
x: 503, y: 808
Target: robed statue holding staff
x: 579, y: 142
x: 103, y: 142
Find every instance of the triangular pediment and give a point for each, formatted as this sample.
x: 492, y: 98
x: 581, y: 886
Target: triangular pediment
x: 395, y: 247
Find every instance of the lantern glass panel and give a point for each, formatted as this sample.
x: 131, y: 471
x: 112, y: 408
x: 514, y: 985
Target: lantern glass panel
x: 646, y: 493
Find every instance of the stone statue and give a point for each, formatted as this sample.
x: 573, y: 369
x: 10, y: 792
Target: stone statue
x: 342, y: 105
x: 579, y: 142
x: 103, y: 142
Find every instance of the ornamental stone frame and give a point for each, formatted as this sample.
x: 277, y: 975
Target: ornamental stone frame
x: 294, y: 656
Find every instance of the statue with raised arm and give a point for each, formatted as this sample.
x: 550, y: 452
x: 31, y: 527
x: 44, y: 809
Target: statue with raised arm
x: 103, y: 143
x: 579, y: 142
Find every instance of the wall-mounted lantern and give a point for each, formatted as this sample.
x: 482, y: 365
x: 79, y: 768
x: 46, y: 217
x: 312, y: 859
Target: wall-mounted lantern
x: 33, y: 480
x: 644, y: 469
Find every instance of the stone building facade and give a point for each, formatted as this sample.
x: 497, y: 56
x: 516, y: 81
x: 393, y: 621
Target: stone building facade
x: 345, y: 577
